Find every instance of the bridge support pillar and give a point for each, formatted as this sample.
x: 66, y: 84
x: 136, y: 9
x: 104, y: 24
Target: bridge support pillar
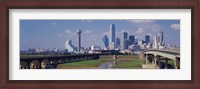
x: 146, y: 59
x: 155, y: 62
x: 166, y: 63
x: 159, y: 63
x: 24, y: 65
x: 177, y: 63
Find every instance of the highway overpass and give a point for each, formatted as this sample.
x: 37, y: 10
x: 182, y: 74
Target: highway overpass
x: 154, y: 56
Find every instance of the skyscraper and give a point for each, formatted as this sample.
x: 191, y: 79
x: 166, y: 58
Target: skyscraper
x: 147, y: 38
x: 117, y: 43
x: 106, y: 41
x: 155, y: 41
x: 79, y: 39
x: 112, y: 34
x: 160, y: 38
x: 124, y: 40
x: 131, y: 39
x: 125, y: 35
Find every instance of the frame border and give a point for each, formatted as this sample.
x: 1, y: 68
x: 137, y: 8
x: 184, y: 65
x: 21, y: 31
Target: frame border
x: 112, y: 4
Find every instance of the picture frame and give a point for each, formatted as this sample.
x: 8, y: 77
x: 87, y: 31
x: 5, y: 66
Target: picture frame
x: 89, y: 4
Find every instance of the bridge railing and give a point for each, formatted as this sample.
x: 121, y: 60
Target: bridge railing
x: 173, y: 52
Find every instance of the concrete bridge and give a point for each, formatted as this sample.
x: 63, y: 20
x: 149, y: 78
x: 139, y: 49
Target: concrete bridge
x: 41, y: 62
x: 154, y: 56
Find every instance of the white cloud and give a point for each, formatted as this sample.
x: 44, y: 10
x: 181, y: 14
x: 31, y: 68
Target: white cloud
x: 88, y: 31
x: 68, y: 31
x: 175, y: 26
x: 86, y: 20
x: 153, y: 27
x: 53, y: 23
x: 146, y: 26
x: 141, y: 21
x: 140, y: 30
x: 147, y: 29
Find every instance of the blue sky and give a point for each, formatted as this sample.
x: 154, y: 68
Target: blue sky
x: 51, y: 34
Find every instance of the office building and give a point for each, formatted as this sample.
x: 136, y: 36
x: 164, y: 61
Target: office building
x: 155, y: 42
x: 112, y: 46
x: 117, y: 43
x: 69, y: 47
x: 106, y: 41
x: 131, y: 40
x: 112, y: 34
x: 124, y: 40
x: 160, y: 39
x: 126, y: 44
x: 147, y: 38
x: 95, y: 47
x: 135, y: 48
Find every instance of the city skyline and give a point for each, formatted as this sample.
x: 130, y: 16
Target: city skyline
x: 49, y: 34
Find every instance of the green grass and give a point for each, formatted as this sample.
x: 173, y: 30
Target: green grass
x: 135, y: 64
x: 81, y: 64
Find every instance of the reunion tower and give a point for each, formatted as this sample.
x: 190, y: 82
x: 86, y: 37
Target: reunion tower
x: 79, y: 39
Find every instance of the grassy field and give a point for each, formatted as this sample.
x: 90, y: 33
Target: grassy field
x: 81, y: 64
x: 133, y: 64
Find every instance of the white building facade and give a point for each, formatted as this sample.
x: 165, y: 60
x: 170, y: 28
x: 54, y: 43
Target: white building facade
x: 69, y: 47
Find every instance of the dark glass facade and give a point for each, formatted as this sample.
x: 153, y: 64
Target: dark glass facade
x: 147, y: 38
x: 106, y: 41
x: 131, y: 39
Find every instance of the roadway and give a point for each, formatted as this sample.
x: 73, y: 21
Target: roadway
x: 155, y: 55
